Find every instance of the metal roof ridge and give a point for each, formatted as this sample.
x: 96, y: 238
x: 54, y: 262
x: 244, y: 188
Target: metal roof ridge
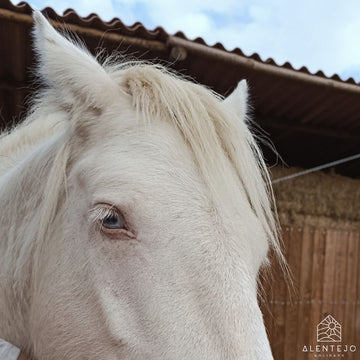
x: 269, y: 61
x: 177, y: 39
x: 92, y: 19
x: 283, y: 72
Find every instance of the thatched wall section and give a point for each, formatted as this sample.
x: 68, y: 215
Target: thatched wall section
x: 319, y: 199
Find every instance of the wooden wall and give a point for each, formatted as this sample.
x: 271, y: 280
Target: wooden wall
x: 326, y: 273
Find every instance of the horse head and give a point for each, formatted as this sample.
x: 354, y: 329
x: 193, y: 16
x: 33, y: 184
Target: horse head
x: 145, y: 236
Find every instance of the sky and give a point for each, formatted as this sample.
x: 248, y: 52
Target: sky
x: 321, y: 35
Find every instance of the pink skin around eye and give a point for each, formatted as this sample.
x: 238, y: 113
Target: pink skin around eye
x: 117, y: 233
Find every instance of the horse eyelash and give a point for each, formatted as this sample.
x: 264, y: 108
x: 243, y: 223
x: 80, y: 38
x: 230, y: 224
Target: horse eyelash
x: 100, y: 213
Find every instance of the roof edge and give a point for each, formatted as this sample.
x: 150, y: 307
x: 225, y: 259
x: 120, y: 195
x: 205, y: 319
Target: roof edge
x: 286, y: 73
x: 159, y: 40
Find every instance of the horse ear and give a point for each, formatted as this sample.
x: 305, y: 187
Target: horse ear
x: 66, y: 66
x: 237, y: 100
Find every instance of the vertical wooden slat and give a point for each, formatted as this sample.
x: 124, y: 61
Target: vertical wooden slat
x: 304, y: 291
x: 317, y: 281
x: 291, y: 325
x: 352, y: 274
x: 329, y: 274
x: 277, y: 307
x: 341, y: 242
x: 357, y: 315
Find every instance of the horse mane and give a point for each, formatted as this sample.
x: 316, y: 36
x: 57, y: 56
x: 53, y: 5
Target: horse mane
x: 211, y: 130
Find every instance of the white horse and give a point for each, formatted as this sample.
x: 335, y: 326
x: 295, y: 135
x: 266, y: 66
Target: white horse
x: 135, y: 215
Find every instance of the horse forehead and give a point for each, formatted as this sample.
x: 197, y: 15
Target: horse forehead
x: 136, y: 155
x: 122, y: 141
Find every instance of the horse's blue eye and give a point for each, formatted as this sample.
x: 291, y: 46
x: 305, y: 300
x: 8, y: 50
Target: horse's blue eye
x: 113, y: 221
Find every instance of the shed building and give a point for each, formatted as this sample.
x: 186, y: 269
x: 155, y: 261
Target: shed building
x: 311, y: 119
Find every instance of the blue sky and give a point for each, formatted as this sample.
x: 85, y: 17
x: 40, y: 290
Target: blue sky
x: 322, y: 35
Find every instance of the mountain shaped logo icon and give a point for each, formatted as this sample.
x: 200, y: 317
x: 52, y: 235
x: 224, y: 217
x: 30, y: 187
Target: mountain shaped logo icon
x: 329, y: 330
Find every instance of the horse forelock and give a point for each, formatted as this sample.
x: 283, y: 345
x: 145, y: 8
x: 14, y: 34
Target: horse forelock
x: 213, y: 132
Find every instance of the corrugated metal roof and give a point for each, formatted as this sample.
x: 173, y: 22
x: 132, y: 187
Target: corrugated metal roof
x: 311, y: 118
x: 138, y: 30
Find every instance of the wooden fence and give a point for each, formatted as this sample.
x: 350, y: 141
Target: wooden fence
x: 325, y: 265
